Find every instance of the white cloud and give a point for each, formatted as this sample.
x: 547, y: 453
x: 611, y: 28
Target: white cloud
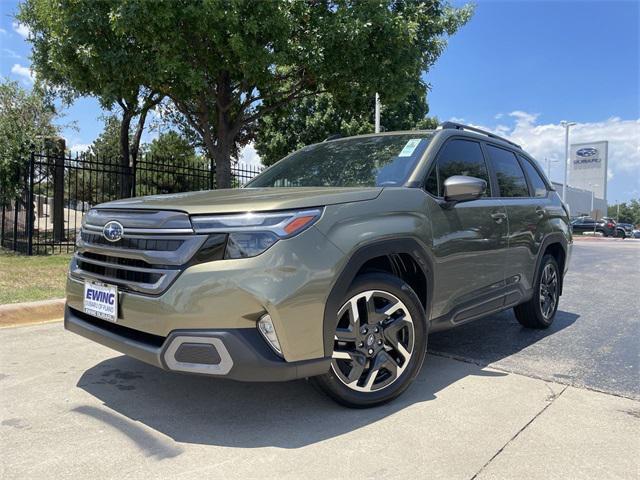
x: 3, y: 31
x: 79, y: 147
x: 21, y: 29
x: 8, y: 53
x: 546, y: 140
x: 249, y: 156
x: 24, y: 72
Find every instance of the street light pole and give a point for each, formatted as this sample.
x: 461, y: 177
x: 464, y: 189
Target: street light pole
x: 377, y: 115
x: 549, y: 162
x: 566, y: 126
x: 593, y: 187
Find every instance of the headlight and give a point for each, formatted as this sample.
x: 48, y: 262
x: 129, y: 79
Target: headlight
x: 250, y: 234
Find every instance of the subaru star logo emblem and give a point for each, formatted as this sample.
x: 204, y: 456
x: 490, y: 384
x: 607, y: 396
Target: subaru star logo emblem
x: 587, y: 152
x: 113, y: 231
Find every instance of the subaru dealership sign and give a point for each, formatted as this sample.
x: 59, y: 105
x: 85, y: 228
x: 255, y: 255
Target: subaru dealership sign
x: 588, y: 169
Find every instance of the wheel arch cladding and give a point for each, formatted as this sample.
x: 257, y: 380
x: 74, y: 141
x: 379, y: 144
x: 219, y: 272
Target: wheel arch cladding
x: 405, y: 258
x: 556, y: 246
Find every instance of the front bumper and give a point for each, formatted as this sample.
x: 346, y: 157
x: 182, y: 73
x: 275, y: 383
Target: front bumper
x: 290, y: 282
x: 238, y: 354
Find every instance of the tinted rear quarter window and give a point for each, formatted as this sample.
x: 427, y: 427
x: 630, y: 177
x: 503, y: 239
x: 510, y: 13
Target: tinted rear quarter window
x: 458, y: 157
x: 511, y: 179
x: 537, y: 183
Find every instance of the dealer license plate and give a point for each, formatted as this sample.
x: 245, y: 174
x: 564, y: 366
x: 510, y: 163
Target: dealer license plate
x: 101, y: 300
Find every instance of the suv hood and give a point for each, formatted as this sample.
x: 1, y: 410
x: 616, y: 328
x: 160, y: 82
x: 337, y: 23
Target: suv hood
x: 239, y: 200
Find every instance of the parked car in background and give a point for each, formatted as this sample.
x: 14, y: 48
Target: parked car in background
x: 587, y: 224
x: 618, y: 230
x: 627, y: 229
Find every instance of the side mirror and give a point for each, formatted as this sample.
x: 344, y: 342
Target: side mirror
x: 461, y: 188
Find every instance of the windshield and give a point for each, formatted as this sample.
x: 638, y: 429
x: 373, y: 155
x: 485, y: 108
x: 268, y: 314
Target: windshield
x: 385, y: 160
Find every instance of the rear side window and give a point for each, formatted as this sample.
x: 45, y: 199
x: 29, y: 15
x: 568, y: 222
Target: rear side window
x: 511, y: 179
x: 458, y: 157
x: 537, y: 183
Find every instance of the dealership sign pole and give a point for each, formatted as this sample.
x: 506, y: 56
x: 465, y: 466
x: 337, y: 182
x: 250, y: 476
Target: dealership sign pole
x: 566, y: 126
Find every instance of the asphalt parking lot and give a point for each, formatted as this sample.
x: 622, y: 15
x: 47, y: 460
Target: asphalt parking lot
x: 594, y: 341
x: 493, y: 401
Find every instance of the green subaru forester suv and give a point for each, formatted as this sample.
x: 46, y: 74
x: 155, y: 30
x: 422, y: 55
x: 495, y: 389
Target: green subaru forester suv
x: 334, y: 264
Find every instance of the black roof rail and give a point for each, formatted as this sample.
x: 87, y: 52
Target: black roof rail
x: 460, y: 126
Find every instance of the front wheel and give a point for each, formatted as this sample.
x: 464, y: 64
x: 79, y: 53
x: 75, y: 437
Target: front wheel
x: 379, y: 345
x: 540, y: 311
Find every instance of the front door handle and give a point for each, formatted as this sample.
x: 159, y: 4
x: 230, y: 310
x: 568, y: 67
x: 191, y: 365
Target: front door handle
x: 499, y: 216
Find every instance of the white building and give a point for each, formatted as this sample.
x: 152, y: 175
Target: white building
x: 579, y: 201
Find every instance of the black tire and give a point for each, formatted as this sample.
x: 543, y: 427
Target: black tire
x: 621, y: 234
x: 398, y: 330
x: 535, y: 313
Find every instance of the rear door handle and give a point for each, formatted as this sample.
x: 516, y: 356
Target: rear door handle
x: 540, y: 212
x: 499, y: 216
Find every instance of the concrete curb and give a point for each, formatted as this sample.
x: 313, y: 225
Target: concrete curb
x: 592, y: 238
x: 31, y: 312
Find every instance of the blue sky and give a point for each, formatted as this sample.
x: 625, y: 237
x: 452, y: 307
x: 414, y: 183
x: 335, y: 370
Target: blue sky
x: 517, y: 68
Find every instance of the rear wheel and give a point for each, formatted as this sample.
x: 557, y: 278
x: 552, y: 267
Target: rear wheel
x: 540, y: 311
x: 379, y: 344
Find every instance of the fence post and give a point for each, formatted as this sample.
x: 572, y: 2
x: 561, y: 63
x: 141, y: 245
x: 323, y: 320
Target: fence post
x: 212, y: 172
x: 30, y: 209
x: 16, y: 204
x: 58, y: 189
x: 4, y: 209
x: 134, y: 173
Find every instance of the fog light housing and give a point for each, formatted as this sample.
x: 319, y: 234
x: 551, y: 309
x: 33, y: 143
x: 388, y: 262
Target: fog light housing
x: 268, y: 332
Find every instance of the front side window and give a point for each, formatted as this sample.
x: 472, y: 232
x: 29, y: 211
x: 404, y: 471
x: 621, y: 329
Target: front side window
x: 383, y: 160
x: 511, y: 180
x: 458, y: 157
x: 537, y: 183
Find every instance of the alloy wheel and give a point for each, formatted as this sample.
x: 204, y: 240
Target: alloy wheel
x: 374, y: 341
x: 548, y: 290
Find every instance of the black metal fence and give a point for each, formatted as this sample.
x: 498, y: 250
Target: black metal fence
x: 57, y: 191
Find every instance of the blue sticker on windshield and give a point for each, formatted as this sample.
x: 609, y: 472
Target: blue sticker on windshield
x: 410, y: 147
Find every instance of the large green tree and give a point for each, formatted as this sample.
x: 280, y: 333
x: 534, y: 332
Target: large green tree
x: 177, y: 166
x: 626, y: 212
x: 225, y: 64
x: 77, y: 50
x: 99, y: 175
x: 26, y: 120
x: 313, y: 119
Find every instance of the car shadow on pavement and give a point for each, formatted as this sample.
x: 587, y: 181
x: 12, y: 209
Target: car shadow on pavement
x: 201, y: 410
x: 493, y: 338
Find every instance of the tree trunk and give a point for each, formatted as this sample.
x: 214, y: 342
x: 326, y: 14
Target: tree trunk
x: 224, y: 131
x: 126, y: 181
x: 222, y: 156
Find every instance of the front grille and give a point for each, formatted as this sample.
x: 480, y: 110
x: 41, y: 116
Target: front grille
x: 155, y: 248
x: 121, y: 275
x: 126, y: 262
x: 153, y: 244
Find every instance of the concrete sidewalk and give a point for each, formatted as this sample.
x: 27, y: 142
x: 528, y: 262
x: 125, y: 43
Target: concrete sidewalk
x: 73, y: 409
